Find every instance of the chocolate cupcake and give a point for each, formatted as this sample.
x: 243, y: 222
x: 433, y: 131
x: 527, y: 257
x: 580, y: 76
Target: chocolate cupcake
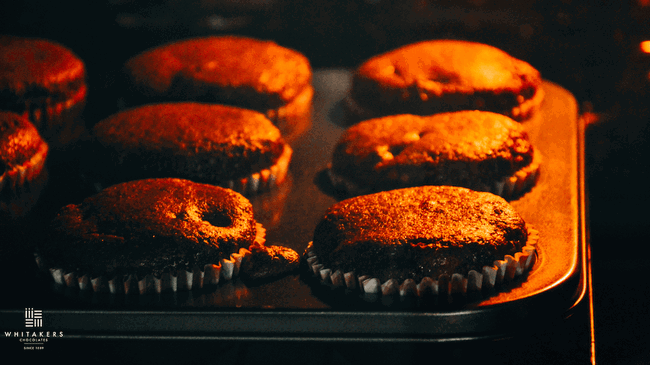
x: 221, y: 145
x: 46, y: 82
x: 233, y: 70
x: 442, y: 76
x: 478, y: 150
x: 23, y: 154
x: 150, y: 236
x: 413, y: 241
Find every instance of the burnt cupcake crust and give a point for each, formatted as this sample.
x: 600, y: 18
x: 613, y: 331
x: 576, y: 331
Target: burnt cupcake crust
x: 236, y: 70
x: 418, y: 232
x: 473, y: 149
x: 203, y: 142
x: 149, y: 226
x: 446, y: 75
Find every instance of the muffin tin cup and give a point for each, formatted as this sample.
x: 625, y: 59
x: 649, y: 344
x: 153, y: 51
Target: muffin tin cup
x: 490, y: 277
x: 168, y: 281
x: 510, y: 187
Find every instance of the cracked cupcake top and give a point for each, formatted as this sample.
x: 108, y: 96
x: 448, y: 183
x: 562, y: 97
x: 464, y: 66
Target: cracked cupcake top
x: 147, y: 226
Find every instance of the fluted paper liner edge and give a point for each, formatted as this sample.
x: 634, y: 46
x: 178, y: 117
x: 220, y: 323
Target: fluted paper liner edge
x: 505, y: 270
x: 264, y: 180
x: 508, y: 187
x: 180, y: 280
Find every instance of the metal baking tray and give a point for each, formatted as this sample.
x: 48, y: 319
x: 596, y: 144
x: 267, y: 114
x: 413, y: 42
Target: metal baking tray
x: 291, y: 308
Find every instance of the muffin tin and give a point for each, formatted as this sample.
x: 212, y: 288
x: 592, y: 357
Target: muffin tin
x: 291, y: 308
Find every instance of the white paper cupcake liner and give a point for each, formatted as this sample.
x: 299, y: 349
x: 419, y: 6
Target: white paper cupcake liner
x: 15, y: 178
x: 169, y: 281
x: 490, y: 277
x: 265, y: 180
x: 255, y: 183
x: 508, y: 187
x: 294, y: 118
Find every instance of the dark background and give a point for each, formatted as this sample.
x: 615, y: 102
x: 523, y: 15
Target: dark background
x: 590, y: 48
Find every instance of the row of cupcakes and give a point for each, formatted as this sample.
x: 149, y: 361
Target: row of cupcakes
x: 435, y: 145
x: 166, y: 137
x: 223, y: 149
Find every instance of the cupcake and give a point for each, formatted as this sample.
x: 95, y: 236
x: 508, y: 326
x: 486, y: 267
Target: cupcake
x: 46, y: 82
x: 22, y: 159
x: 150, y: 236
x: 234, y: 70
x: 478, y: 150
x: 442, y: 76
x: 421, y: 240
x: 221, y: 145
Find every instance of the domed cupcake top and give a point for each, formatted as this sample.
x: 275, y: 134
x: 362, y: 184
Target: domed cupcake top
x: 449, y: 65
x: 466, y: 148
x: 30, y: 67
x: 446, y: 75
x: 206, y: 142
x: 222, y: 65
x: 150, y: 225
x: 418, y: 232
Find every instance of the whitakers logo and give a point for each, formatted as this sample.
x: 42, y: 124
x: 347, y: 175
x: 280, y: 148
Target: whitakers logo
x: 33, y: 340
x: 33, y: 318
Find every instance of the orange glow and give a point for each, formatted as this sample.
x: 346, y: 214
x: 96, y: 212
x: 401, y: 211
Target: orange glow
x: 645, y: 46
